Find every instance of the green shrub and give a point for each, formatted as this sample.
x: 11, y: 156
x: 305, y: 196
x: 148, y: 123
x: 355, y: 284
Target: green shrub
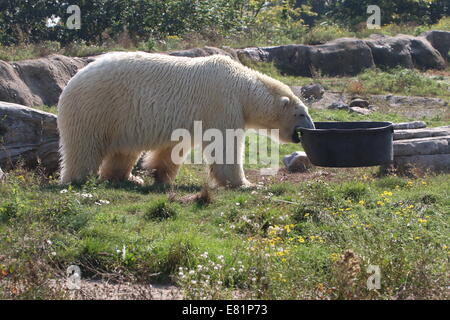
x: 161, y: 210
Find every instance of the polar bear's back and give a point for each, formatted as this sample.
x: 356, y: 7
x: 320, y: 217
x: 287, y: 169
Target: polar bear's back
x: 123, y: 95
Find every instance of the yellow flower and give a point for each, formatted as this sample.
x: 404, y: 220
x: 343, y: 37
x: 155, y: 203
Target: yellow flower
x: 362, y: 202
x: 380, y: 203
x: 422, y: 220
x: 301, y: 239
x: 335, y: 256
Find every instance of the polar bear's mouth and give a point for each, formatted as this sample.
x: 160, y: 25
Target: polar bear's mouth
x: 295, y: 135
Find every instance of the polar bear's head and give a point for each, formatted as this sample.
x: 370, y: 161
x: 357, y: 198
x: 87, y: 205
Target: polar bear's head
x: 277, y: 107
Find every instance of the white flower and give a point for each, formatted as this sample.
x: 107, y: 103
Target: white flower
x: 191, y: 272
x: 64, y: 191
x: 86, y: 195
x: 194, y: 282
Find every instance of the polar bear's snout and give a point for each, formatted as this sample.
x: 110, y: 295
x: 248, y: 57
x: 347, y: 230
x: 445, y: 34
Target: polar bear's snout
x: 305, y: 122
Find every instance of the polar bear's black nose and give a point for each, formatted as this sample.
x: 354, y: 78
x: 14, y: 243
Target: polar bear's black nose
x: 296, y: 135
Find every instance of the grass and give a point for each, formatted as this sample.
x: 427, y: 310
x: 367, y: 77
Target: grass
x: 399, y: 81
x: 280, y: 241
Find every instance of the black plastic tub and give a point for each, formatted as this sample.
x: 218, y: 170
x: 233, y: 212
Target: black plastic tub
x: 348, y: 144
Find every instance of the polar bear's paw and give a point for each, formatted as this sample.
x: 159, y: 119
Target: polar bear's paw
x: 136, y: 180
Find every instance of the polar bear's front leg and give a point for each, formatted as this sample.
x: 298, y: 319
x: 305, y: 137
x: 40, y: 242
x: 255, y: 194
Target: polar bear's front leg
x: 230, y: 172
x: 118, y: 166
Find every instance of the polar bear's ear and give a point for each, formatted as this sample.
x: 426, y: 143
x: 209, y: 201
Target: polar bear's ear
x: 285, y: 101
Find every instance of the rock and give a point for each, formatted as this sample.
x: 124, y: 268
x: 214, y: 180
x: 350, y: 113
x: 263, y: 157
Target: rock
x: 341, y: 57
x: 2, y: 175
x: 434, y: 162
x: 406, y: 51
x: 338, y: 105
x: 37, y: 82
x: 359, y: 110
x: 338, y: 57
x: 440, y: 40
x: 421, y: 133
x: 297, y: 162
x: 422, y: 146
x: 312, y: 91
x: 204, y: 52
x: 410, y: 125
x: 359, y: 103
x: 28, y: 136
x: 350, y: 56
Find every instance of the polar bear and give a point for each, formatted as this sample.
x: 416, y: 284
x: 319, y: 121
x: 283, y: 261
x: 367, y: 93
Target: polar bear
x: 127, y: 103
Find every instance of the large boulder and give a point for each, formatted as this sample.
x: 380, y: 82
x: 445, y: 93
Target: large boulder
x: 440, y: 40
x: 407, y: 51
x: 338, y: 57
x: 341, y: 57
x: 37, y: 82
x: 28, y: 136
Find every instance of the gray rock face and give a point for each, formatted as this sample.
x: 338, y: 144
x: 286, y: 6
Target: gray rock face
x: 409, y: 125
x: 422, y: 146
x: 338, y: 105
x: 349, y: 56
x: 425, y: 148
x: 440, y: 40
x: 406, y: 51
x: 338, y: 57
x: 421, y: 133
x: 297, y: 162
x: 360, y: 110
x: 39, y: 81
x: 2, y: 175
x: 312, y: 91
x: 29, y: 136
x: 433, y: 162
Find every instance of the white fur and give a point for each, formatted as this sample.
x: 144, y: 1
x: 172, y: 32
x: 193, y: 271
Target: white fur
x: 126, y: 103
